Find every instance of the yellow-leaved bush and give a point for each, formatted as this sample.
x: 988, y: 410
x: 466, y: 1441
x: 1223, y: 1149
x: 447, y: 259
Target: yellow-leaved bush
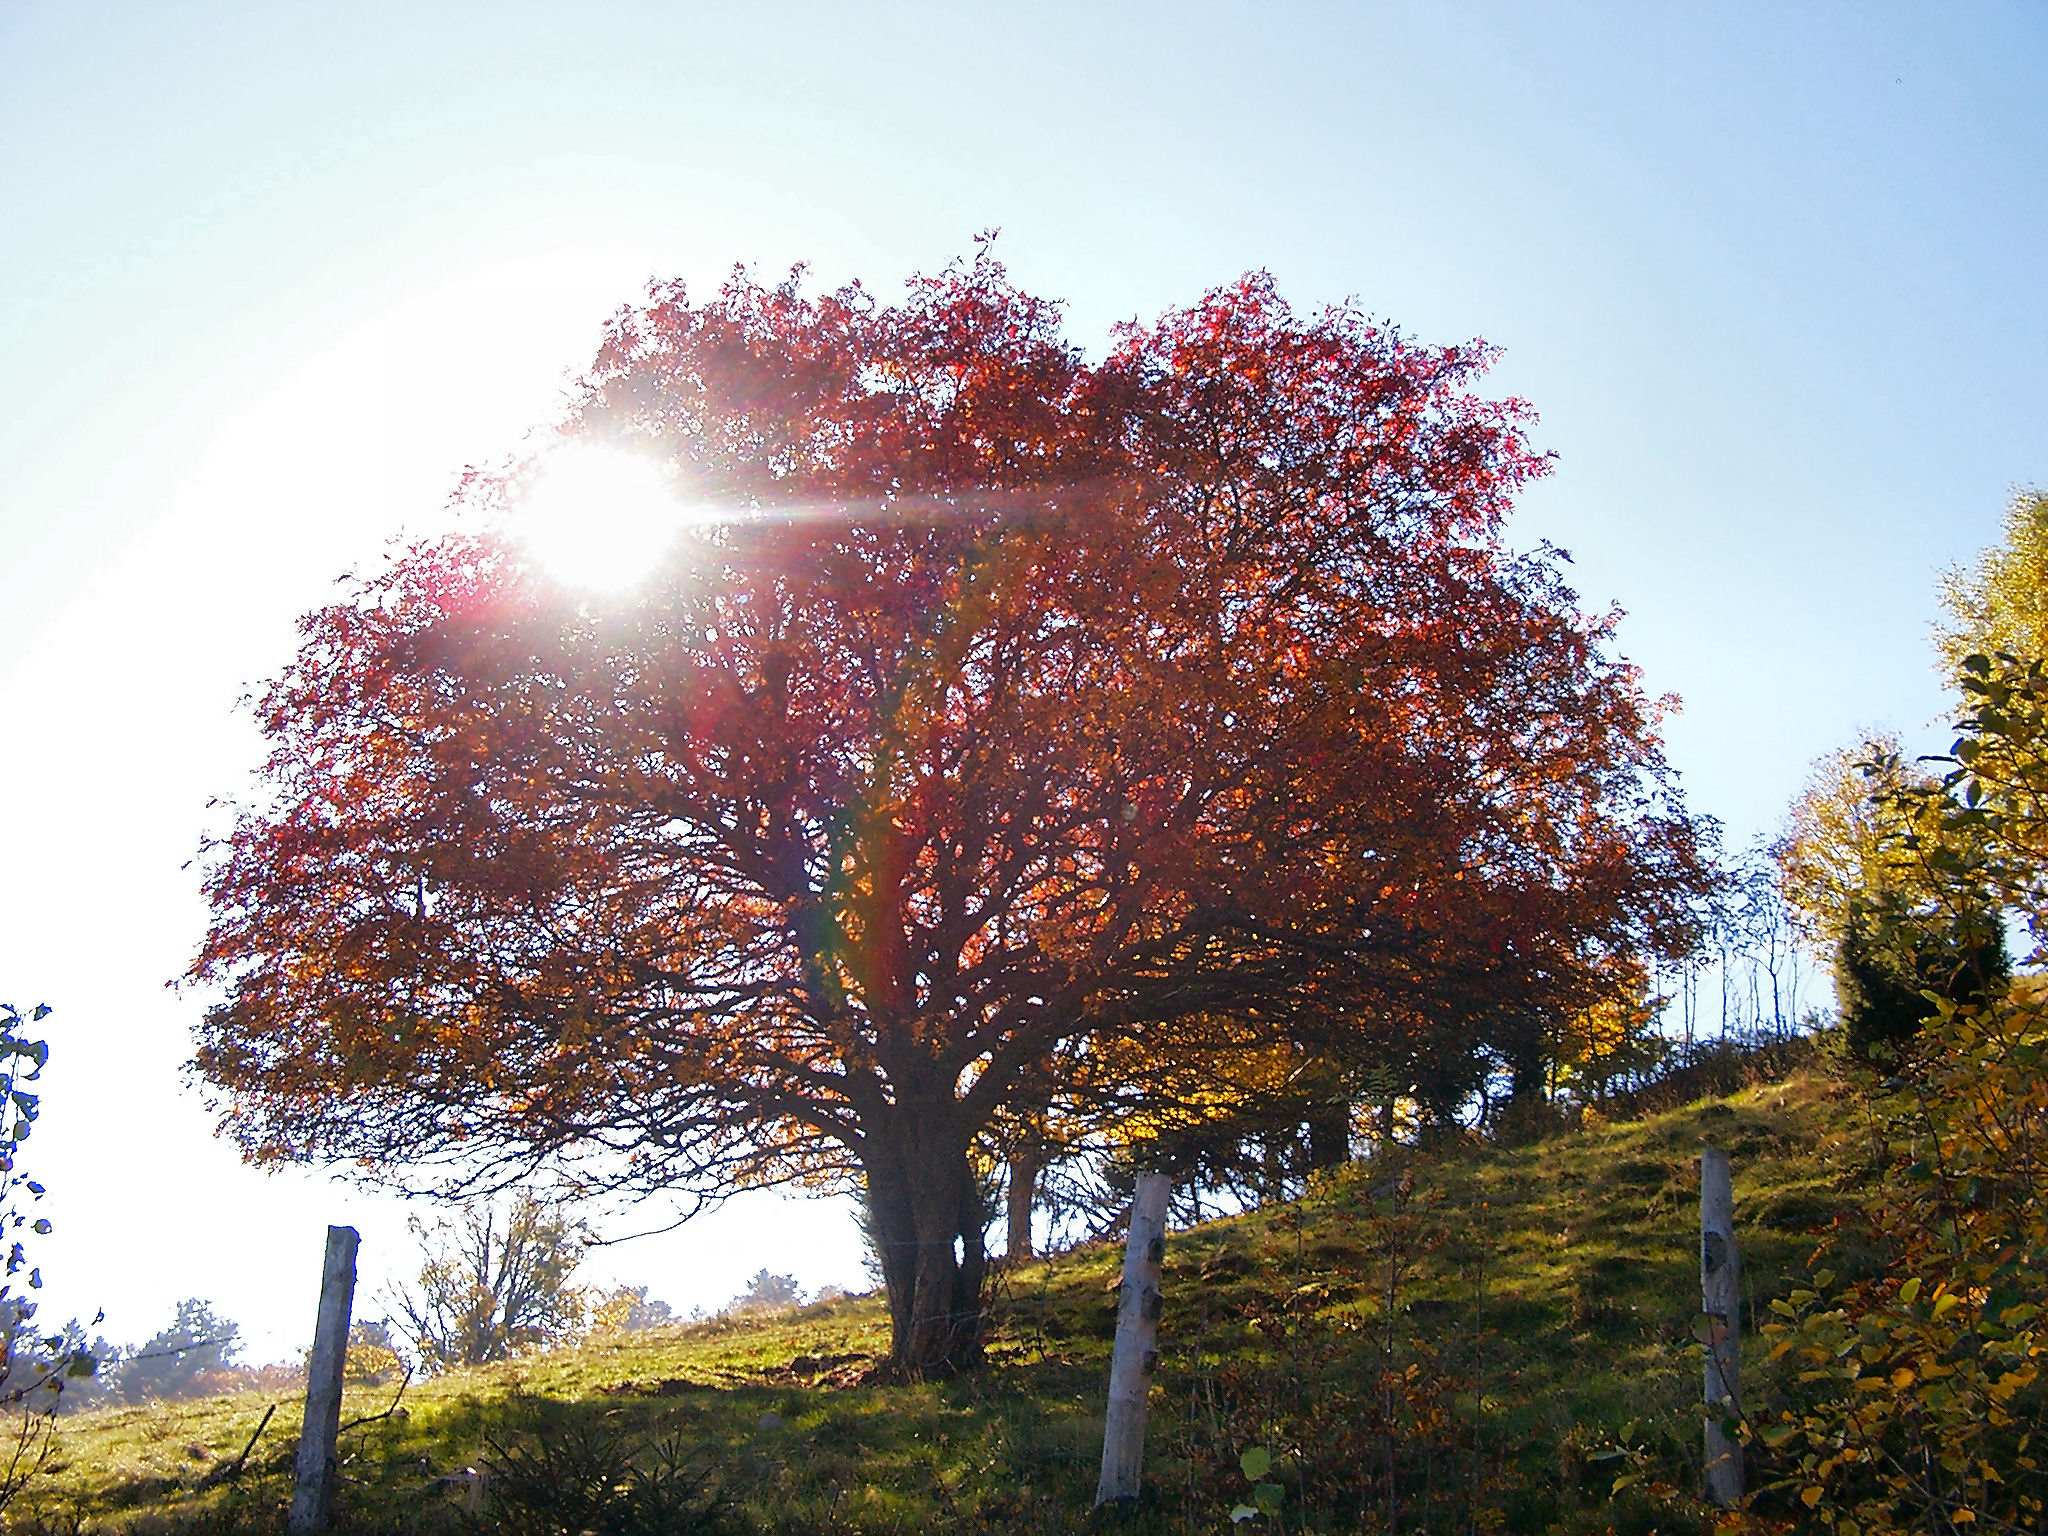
x: 1914, y: 1395
x: 1917, y: 1399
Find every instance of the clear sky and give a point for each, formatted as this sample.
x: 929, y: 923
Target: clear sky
x: 271, y: 274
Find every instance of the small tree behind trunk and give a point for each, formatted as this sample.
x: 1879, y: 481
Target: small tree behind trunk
x: 493, y: 1282
x: 1022, y: 1196
x: 1527, y: 1112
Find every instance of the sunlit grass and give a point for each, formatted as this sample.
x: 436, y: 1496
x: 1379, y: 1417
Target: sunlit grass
x: 1559, y: 1281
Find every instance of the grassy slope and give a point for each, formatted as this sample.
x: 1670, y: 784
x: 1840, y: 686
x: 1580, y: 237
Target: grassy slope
x: 1544, y: 1302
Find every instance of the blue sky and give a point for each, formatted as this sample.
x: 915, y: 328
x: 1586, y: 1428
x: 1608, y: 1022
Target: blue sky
x: 271, y: 274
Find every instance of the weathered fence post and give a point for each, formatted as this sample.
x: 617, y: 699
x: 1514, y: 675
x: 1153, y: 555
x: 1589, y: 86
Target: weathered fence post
x: 1132, y: 1361
x: 313, y: 1496
x: 1721, y: 1302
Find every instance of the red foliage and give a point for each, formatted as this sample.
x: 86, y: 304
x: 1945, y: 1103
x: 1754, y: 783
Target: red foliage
x: 1023, y: 702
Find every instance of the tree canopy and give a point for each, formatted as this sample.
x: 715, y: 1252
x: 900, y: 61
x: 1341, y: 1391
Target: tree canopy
x: 2000, y: 604
x: 1841, y: 835
x: 1007, y: 716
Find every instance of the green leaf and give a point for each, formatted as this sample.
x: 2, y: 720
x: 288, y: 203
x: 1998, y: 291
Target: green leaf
x: 1256, y: 1463
x: 1910, y: 1289
x: 1268, y: 1496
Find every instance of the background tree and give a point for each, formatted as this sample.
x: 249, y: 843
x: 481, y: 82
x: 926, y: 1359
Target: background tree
x: 373, y: 1356
x: 494, y: 1283
x: 1876, y: 873
x: 186, y: 1358
x: 2001, y: 603
x: 1841, y: 837
x: 1012, y: 709
x: 767, y: 1292
x: 628, y: 1309
x: 49, y: 1370
x: 90, y: 1362
x: 1757, y: 946
x: 1613, y: 1040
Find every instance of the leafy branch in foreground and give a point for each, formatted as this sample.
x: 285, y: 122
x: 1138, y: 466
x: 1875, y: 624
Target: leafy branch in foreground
x: 33, y: 1367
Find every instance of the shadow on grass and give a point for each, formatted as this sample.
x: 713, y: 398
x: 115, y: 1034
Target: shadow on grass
x: 1542, y: 1305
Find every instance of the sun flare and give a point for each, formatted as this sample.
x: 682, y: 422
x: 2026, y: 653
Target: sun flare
x: 599, y: 517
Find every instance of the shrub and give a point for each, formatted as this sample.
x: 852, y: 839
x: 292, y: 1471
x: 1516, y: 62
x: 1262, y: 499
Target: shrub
x: 585, y: 1479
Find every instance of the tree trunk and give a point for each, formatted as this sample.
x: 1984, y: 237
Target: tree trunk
x: 1273, y: 1166
x: 926, y: 1218
x: 1025, y: 1167
x: 1528, y: 1092
x: 1329, y: 1135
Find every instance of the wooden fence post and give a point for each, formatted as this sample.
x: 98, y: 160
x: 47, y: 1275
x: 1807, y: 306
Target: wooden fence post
x: 1721, y: 1302
x: 313, y: 1495
x: 1137, y: 1327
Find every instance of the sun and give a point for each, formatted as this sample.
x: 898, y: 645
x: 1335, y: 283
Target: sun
x: 599, y: 517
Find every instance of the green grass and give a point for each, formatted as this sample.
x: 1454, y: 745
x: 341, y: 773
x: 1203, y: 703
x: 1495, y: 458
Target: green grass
x: 1543, y: 1303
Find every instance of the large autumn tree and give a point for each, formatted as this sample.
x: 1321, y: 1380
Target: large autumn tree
x: 1006, y: 715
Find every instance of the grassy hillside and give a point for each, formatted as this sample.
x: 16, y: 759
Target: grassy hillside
x: 1462, y: 1340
